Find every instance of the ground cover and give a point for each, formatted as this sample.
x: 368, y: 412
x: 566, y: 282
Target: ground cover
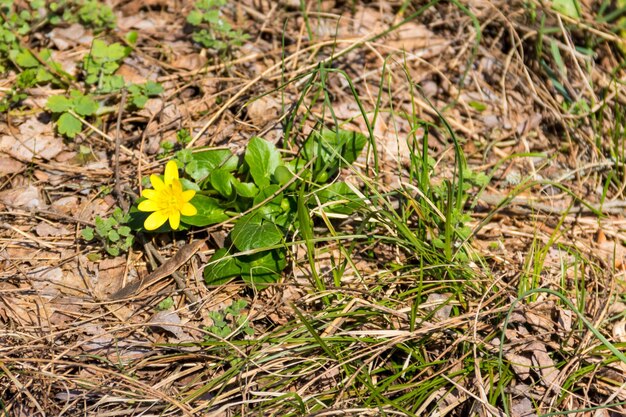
x: 312, y: 208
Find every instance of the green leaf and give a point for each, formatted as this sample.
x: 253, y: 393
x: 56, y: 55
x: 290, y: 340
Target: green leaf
x: 221, y: 181
x: 262, y: 268
x: 189, y: 185
x: 283, y: 175
x: 236, y: 307
x: 248, y: 234
x: 43, y: 76
x: 263, y: 158
x: 58, y: 104
x: 347, y: 201
x: 273, y: 207
x: 87, y: 233
x: 219, y: 270
x: 69, y: 125
x: 205, y: 162
x: 332, y: 149
x: 117, y: 51
x: 128, y: 242
x: 152, y: 88
x: 217, y: 317
x: 124, y: 231
x: 113, y: 236
x: 139, y: 100
x: 194, y: 17
x: 112, y: 83
x: 165, y: 304
x: 477, y: 105
x: 245, y: 189
x: 131, y: 37
x: 119, y: 215
x: 85, y: 106
x: 99, y: 49
x: 26, y: 60
x: 209, y: 212
x: 185, y: 156
x: 569, y: 8
x: 113, y: 250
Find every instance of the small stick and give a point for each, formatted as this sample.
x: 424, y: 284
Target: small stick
x: 180, y: 281
x: 167, y: 268
x: 118, y: 133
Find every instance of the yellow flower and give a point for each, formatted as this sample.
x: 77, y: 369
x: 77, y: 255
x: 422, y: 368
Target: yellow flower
x: 167, y: 200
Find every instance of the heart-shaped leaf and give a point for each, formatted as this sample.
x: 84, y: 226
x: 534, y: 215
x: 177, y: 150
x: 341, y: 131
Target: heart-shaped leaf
x: 248, y: 234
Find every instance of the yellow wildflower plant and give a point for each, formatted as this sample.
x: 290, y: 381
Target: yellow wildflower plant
x: 166, y: 200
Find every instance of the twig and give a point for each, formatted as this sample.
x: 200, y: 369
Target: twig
x: 167, y: 268
x: 180, y: 281
x: 27, y: 236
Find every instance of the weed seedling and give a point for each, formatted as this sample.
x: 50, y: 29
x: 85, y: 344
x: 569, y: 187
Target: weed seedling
x: 229, y: 322
x: 211, y: 30
x: 111, y: 232
x: 101, y: 63
x: 66, y: 109
x: 95, y: 14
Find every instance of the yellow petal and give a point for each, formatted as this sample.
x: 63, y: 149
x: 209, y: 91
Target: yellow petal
x: 150, y: 194
x: 156, y: 182
x: 155, y: 220
x: 188, y: 210
x: 188, y: 195
x: 177, y: 187
x: 148, y: 205
x: 174, y: 219
x: 171, y: 172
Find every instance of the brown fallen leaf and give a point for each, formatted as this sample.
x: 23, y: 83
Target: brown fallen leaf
x: 27, y: 197
x: 170, y: 321
x: 69, y: 37
x: 522, y: 407
x: 45, y: 229
x: 35, y: 140
x: 10, y: 165
x: 544, y: 365
x: 190, y: 62
x: 168, y: 268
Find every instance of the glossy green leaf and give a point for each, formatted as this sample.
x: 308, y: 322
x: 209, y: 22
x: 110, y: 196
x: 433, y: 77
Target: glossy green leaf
x: 263, y: 158
x: 221, y: 268
x: 569, y: 8
x: 249, y: 234
x: 245, y: 189
x: 189, y: 185
x: 204, y: 162
x: 209, y: 212
x: 332, y: 149
x: 347, y: 201
x: 221, y: 180
x: 272, y: 208
x: 262, y: 268
x: 282, y: 174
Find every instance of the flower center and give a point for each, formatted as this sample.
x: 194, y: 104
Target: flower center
x: 171, y: 200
